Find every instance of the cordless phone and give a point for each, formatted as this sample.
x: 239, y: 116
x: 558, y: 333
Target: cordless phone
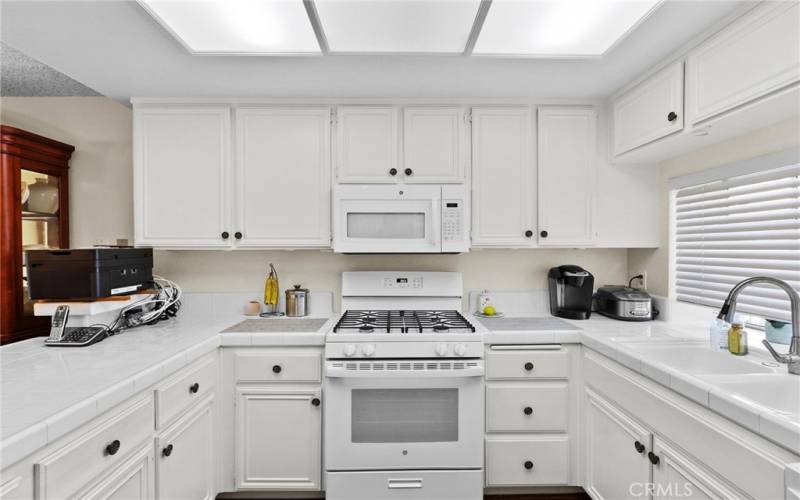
x: 58, y: 325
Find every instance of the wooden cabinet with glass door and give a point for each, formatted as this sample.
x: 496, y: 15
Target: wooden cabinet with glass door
x: 35, y: 214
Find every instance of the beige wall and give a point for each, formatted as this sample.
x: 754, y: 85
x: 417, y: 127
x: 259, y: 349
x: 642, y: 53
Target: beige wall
x: 101, y: 182
x: 778, y: 137
x: 492, y: 269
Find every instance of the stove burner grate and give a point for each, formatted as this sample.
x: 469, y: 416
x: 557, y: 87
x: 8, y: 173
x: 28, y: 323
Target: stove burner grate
x: 402, y: 321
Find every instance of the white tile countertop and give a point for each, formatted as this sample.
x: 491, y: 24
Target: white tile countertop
x: 609, y: 337
x: 46, y: 392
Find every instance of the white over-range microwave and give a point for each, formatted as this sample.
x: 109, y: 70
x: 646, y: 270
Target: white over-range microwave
x: 401, y: 219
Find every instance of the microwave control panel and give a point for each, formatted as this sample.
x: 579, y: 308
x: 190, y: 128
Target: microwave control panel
x: 452, y: 220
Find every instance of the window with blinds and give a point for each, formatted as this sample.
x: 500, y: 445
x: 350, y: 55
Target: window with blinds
x: 736, y: 228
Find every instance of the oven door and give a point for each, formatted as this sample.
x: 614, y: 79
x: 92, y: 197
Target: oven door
x: 403, y: 414
x: 387, y: 219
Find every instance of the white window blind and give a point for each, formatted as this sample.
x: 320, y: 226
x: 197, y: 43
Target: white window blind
x: 737, y: 228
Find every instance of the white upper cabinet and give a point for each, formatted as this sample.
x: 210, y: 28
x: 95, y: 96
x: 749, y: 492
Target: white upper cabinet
x: 752, y: 57
x: 567, y: 175
x: 182, y: 176
x: 651, y: 110
x: 503, y: 177
x: 283, y: 177
x: 367, y: 144
x: 433, y: 144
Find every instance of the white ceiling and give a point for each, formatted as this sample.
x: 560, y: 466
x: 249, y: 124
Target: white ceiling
x: 118, y: 49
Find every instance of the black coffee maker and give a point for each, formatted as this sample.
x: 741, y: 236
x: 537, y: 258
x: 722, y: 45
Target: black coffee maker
x: 571, y: 289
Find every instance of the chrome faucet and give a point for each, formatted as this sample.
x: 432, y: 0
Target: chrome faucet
x: 792, y: 358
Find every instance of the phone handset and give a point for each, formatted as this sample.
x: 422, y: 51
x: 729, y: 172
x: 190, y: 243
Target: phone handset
x: 58, y: 324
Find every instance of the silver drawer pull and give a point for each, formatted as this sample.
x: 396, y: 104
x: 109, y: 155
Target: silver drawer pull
x: 526, y: 347
x: 405, y: 483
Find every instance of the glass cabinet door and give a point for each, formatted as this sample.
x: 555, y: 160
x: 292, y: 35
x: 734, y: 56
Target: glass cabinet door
x: 41, y: 226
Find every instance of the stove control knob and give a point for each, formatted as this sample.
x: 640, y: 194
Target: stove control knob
x: 441, y: 350
x: 368, y: 350
x: 460, y: 349
x: 349, y: 350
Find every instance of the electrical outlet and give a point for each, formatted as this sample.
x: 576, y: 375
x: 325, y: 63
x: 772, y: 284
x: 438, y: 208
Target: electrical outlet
x: 640, y: 282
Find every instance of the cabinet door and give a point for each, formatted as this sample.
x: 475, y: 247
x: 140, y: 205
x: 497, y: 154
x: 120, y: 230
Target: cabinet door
x: 503, y: 178
x: 615, y: 468
x: 283, y: 177
x: 278, y: 439
x: 185, y: 463
x: 567, y: 182
x: 366, y: 144
x: 651, y: 110
x: 676, y: 476
x: 131, y: 480
x: 432, y: 145
x: 753, y: 56
x: 181, y: 176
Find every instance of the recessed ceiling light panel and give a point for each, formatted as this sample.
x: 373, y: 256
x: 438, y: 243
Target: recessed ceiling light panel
x: 559, y: 28
x: 397, y: 26
x: 237, y: 26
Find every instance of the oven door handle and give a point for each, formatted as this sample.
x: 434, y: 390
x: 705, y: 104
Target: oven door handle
x: 341, y: 372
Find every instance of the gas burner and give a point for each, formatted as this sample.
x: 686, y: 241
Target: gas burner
x: 403, y: 322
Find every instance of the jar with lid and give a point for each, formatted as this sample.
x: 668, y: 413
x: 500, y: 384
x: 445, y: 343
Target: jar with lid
x: 737, y: 339
x: 297, y: 302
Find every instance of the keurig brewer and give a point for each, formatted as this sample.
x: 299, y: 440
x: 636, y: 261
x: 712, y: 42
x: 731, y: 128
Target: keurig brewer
x: 571, y: 289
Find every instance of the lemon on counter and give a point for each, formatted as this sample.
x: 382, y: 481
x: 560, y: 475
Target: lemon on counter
x: 489, y: 311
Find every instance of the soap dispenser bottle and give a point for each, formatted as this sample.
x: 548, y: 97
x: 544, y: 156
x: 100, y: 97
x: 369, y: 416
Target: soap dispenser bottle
x: 719, y: 334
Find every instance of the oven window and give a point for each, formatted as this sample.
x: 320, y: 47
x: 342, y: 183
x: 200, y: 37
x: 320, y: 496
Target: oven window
x: 404, y: 415
x: 389, y: 225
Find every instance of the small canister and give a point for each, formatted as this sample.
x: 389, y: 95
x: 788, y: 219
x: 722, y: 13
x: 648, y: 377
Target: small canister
x: 297, y: 302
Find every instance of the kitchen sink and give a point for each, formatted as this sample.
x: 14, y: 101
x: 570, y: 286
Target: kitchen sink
x: 699, y: 359
x: 777, y: 392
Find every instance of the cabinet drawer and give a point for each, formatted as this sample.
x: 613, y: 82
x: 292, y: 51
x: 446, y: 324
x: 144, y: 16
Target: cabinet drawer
x: 540, y: 406
x: 63, y: 473
x: 526, y: 364
x: 407, y: 485
x: 527, y: 462
x: 278, y: 365
x: 188, y: 386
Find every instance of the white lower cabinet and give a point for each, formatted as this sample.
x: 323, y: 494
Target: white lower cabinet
x: 532, y: 406
x: 643, y: 440
x: 530, y: 416
x: 616, y: 452
x: 527, y: 461
x: 278, y: 438
x: 186, y: 456
x: 102, y: 448
x: 675, y: 475
x: 132, y: 480
x: 625, y: 460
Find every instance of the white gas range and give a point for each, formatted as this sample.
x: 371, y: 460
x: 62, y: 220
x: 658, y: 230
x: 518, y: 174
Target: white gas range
x: 404, y: 390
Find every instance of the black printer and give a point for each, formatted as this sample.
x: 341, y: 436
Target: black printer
x: 88, y: 273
